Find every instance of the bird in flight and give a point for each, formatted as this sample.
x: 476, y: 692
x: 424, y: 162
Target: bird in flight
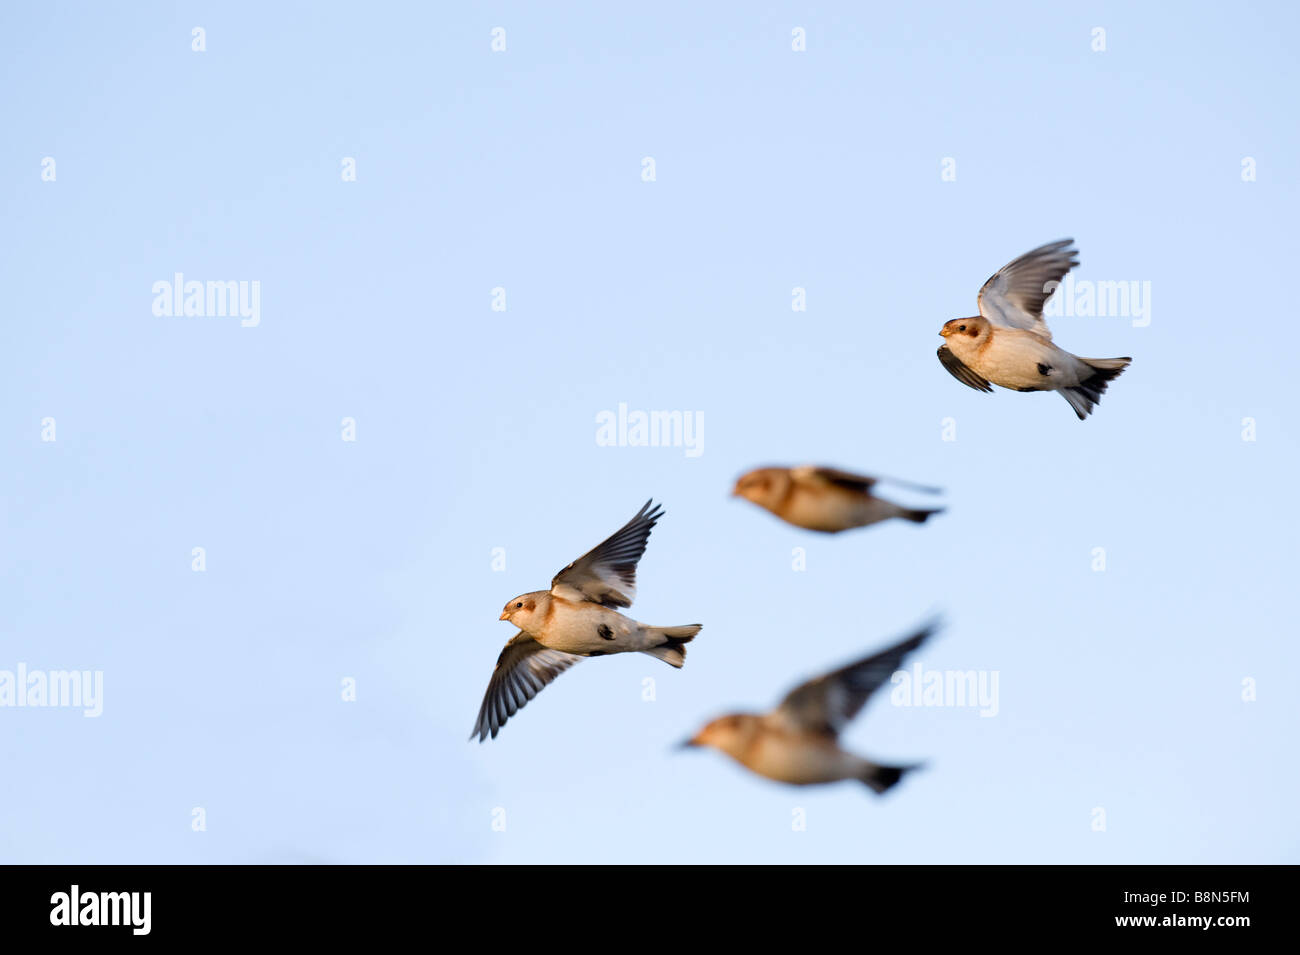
x: 1009, y: 344
x: 826, y: 499
x: 798, y: 742
x: 576, y: 618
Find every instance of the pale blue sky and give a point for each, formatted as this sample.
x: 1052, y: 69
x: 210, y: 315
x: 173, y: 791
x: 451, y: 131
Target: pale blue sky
x: 476, y: 429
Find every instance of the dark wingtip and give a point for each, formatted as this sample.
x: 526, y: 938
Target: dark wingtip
x: 929, y: 628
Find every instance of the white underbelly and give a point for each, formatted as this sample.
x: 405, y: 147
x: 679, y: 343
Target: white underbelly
x: 589, y: 628
x: 801, y: 763
x: 833, y: 512
x: 1013, y: 361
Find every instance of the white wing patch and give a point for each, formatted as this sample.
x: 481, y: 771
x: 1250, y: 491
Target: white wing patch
x: 1014, y: 295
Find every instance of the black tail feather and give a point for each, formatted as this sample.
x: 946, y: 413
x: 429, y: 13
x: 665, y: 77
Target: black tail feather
x: 882, y: 778
x: 920, y: 515
x: 1084, y: 396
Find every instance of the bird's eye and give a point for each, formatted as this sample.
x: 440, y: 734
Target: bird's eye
x: 961, y: 328
x: 518, y: 605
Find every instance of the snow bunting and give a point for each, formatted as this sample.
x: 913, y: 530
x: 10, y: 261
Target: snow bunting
x: 575, y: 619
x: 798, y: 742
x: 1009, y: 344
x: 824, y: 499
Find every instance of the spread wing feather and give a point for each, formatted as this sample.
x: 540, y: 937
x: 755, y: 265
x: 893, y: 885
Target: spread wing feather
x: 524, y: 668
x: 606, y: 574
x: 1014, y: 295
x: 826, y: 704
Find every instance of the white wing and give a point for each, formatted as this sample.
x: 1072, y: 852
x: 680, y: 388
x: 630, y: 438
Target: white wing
x: 1014, y: 295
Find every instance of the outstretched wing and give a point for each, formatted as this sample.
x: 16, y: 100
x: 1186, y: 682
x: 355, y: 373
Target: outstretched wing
x: 826, y: 704
x: 606, y: 574
x: 522, y: 670
x: 811, y: 474
x: 849, y: 481
x: 961, y: 371
x: 1014, y: 295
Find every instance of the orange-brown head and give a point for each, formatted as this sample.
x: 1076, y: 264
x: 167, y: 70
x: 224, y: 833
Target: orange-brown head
x: 967, y: 330
x: 766, y: 487
x: 522, y: 610
x: 730, y: 734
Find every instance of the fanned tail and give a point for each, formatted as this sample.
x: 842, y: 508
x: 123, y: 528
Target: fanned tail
x: 673, y: 650
x: 1084, y: 396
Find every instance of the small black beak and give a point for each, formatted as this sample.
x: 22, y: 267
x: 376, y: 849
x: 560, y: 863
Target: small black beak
x: 687, y: 744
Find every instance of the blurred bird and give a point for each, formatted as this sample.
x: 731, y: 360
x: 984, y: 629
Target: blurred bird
x: 824, y: 499
x: 1009, y: 344
x: 798, y: 742
x: 576, y: 619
